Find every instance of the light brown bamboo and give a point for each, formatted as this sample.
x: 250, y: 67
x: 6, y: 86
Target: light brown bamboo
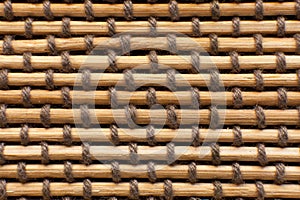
x: 182, y: 153
x: 33, y: 171
x: 154, y: 116
x: 142, y: 27
x: 183, y: 98
x: 140, y: 79
x: 182, y: 135
x: 142, y: 62
x: 225, y: 44
x: 145, y: 10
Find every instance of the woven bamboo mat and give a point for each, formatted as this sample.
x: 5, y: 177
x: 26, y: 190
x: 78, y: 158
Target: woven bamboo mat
x: 186, y: 99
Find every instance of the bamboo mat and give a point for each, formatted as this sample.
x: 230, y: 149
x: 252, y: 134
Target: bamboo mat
x: 149, y: 99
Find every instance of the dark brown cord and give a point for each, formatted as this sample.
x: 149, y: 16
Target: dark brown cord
x: 196, y: 27
x: 128, y: 10
x: 297, y: 8
x: 8, y: 10
x: 150, y: 134
x: 260, y: 116
x: 259, y: 80
x: 214, y: 117
x: 3, y: 194
x: 237, y: 177
x: 129, y: 80
x: 26, y: 96
x: 172, y: 46
x: 234, y: 58
x: 68, y: 171
x: 238, y: 137
x: 86, y: 156
x: 112, y: 60
x: 111, y: 26
x: 262, y: 155
x: 125, y: 44
x: 235, y: 26
x: 195, y: 136
x: 4, y: 79
x: 27, y: 62
x: 171, y: 153
x: 89, y: 43
x: 260, y: 190
x: 7, y: 45
x: 280, y: 62
x: 2, y: 158
x: 65, y: 94
x: 88, y: 9
x: 153, y: 61
x: 195, y: 98
x: 45, y: 116
x: 3, y: 119
x: 21, y: 169
x: 259, y: 10
x: 151, y: 172
x: 133, y: 154
x: 259, y: 44
x: 87, y: 189
x: 151, y: 97
x: 65, y: 61
x: 45, y: 153
x: 172, y: 120
x: 280, y: 26
x: 282, y: 98
x: 280, y: 173
x: 85, y: 116
x: 195, y: 60
x: 152, y: 26
x: 168, y: 190
x: 46, y: 190
x: 192, y: 171
x: 66, y: 27
x: 113, y: 97
x: 86, y: 79
x: 215, y: 10
x: 67, y: 134
x: 218, y: 190
x: 171, y: 79
x: 114, y: 134
x: 134, y: 189
x: 24, y: 136
x: 174, y: 10
x: 215, y: 154
x: 49, y: 79
x: 283, y: 136
x: 297, y: 40
x: 47, y: 10
x: 28, y: 28
x: 237, y: 97
x: 115, y: 172
x: 51, y: 45
x: 214, y: 44
x: 130, y: 113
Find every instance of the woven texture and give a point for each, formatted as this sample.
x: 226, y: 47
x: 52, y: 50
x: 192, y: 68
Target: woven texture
x: 148, y: 99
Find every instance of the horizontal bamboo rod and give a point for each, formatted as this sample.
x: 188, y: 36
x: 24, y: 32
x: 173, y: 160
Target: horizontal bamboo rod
x: 147, y: 116
x: 183, y: 98
x: 33, y: 171
x: 140, y: 135
x: 140, y: 79
x: 143, y: 27
x: 158, y: 153
x: 145, y: 10
x: 156, y: 189
x: 143, y: 62
x: 225, y: 44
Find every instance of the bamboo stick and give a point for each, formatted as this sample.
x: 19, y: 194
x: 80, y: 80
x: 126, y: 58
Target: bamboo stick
x: 183, y: 98
x: 154, y: 116
x: 182, y: 80
x: 142, y: 27
x: 181, y: 135
x: 158, y: 153
x: 33, y: 171
x: 225, y: 44
x: 145, y: 10
x: 143, y: 62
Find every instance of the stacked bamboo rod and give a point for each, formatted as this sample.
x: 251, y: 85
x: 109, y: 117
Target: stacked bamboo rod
x: 149, y: 99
